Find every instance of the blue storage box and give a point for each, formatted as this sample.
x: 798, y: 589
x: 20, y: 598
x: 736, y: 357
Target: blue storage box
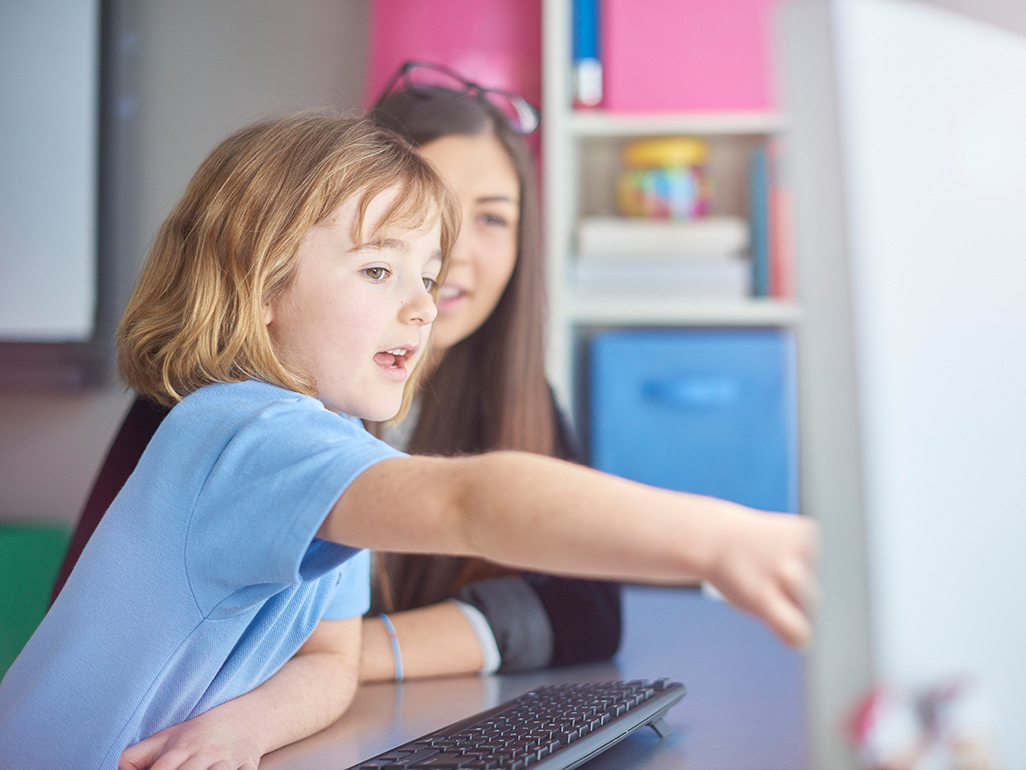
x: 705, y: 411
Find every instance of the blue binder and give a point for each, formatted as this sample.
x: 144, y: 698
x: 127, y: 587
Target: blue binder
x: 705, y: 411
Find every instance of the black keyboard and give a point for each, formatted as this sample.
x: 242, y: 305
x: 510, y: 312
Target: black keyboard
x: 556, y: 727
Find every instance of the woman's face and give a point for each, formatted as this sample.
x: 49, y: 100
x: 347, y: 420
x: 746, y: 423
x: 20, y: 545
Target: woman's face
x: 485, y: 182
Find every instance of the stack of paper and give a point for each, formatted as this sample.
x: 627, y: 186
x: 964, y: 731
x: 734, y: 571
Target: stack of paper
x: 704, y: 257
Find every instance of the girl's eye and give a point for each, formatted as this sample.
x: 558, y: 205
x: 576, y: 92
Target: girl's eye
x: 430, y: 284
x: 376, y: 273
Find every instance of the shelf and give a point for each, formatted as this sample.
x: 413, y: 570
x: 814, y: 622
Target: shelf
x: 582, y: 151
x: 594, y: 308
x: 598, y: 123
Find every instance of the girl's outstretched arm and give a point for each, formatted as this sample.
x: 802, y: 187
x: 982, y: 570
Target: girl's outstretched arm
x: 535, y: 512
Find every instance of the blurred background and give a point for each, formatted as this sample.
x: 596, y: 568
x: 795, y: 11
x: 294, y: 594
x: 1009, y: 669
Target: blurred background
x: 109, y: 106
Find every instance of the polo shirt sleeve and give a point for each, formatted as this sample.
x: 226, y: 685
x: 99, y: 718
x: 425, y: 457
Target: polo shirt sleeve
x: 268, y: 493
x: 352, y: 597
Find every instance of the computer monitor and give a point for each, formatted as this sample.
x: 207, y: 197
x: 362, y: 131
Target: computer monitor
x: 906, y: 154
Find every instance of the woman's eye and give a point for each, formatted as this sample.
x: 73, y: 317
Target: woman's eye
x: 494, y: 220
x: 375, y: 273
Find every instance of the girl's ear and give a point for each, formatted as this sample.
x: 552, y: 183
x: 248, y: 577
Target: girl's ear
x: 268, y: 312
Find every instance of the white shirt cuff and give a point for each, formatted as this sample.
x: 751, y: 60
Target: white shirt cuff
x: 485, y: 637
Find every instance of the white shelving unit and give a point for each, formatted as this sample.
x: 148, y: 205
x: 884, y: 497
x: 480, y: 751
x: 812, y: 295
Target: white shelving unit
x: 581, y: 158
x: 582, y: 123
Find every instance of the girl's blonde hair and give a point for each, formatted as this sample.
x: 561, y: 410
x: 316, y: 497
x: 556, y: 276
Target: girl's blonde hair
x: 231, y: 245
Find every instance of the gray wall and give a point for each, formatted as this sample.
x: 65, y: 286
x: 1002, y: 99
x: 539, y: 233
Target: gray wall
x: 1010, y: 14
x: 186, y: 73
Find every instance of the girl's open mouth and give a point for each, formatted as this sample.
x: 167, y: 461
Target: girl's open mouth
x: 394, y: 361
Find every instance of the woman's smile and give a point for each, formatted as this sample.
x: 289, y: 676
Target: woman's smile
x: 450, y: 297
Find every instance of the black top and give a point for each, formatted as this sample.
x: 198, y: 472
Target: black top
x: 538, y: 620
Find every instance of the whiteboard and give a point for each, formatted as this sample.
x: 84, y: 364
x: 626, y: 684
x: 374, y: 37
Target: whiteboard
x: 49, y: 89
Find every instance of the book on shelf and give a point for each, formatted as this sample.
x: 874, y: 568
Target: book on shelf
x: 769, y: 214
x: 698, y: 277
x: 610, y: 239
x: 781, y: 273
x: 587, y: 57
x: 759, y: 217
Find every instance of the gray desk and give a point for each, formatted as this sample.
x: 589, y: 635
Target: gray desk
x: 743, y: 710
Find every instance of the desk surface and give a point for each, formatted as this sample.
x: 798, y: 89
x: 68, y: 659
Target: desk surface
x: 744, y: 708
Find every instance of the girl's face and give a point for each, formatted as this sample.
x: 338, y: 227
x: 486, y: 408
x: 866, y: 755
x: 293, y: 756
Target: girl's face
x: 485, y: 182
x: 357, y: 318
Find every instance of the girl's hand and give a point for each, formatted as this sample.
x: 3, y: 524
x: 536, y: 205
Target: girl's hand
x: 206, y: 742
x: 765, y: 565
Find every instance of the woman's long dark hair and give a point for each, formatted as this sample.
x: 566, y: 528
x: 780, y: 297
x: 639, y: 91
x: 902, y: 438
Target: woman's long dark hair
x: 489, y: 390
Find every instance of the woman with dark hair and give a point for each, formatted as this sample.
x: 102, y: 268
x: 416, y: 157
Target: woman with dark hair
x: 485, y: 390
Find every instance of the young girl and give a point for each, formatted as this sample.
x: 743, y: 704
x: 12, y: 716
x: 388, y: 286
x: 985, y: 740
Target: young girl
x: 484, y: 389
x: 289, y: 293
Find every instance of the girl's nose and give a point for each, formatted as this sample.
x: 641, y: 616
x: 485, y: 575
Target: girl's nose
x: 419, y: 308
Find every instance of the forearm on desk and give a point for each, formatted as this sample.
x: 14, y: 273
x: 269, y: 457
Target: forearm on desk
x: 532, y: 621
x: 310, y: 691
x: 307, y: 694
x: 436, y: 640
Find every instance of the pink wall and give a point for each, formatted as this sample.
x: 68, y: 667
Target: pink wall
x: 495, y: 43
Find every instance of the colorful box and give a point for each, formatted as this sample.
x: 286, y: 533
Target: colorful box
x: 688, y: 55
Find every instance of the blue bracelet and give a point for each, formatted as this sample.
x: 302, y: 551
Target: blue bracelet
x: 393, y: 637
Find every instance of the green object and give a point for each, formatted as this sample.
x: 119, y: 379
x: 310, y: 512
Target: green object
x: 30, y: 556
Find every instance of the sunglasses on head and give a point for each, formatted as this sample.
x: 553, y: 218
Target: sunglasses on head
x: 419, y: 78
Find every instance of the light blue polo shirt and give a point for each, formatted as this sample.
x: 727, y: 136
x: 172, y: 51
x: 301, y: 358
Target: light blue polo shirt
x: 201, y: 581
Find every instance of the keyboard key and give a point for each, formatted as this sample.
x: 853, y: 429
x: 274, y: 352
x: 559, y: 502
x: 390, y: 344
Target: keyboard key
x: 569, y: 736
x: 411, y: 759
x: 439, y: 761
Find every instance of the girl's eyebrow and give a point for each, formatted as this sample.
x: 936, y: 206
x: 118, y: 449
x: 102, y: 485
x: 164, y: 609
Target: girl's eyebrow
x: 390, y: 243
x: 399, y: 245
x: 396, y: 244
